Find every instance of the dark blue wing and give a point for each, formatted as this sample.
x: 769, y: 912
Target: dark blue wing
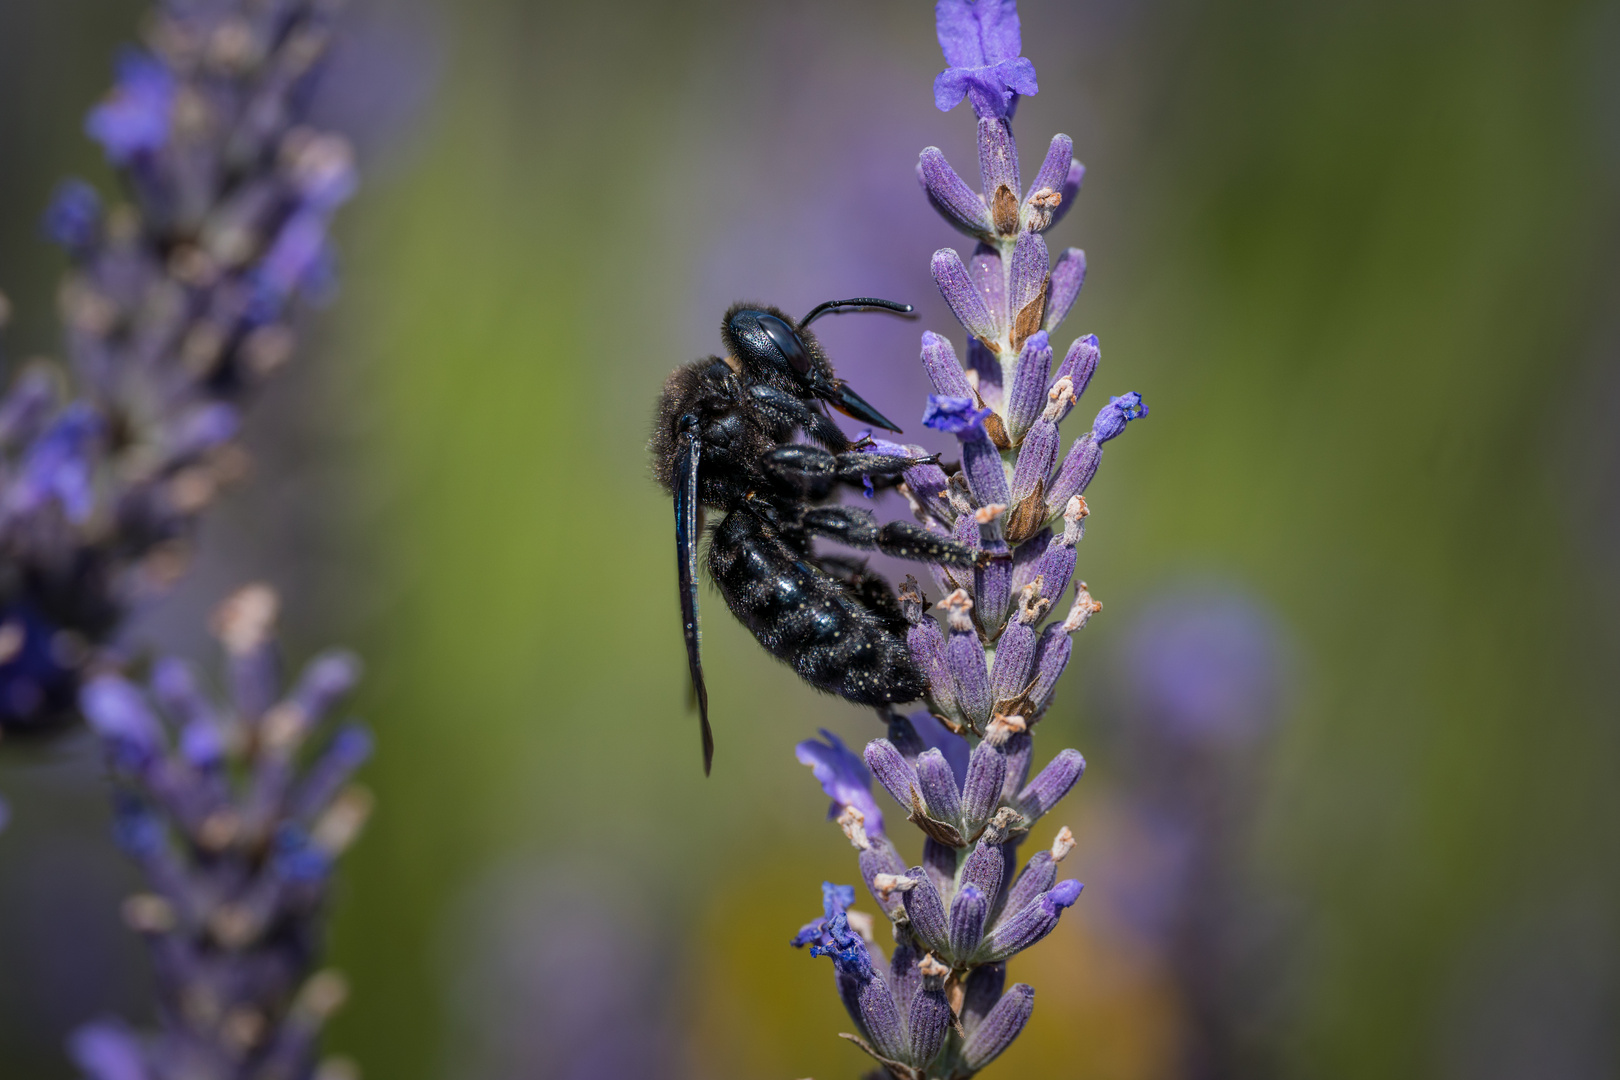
x: 686, y: 539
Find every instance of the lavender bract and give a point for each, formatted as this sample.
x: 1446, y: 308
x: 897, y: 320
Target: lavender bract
x: 235, y: 812
x: 177, y: 305
x: 993, y: 667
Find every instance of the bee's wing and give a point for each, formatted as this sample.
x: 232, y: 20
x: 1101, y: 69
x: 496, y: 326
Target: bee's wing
x: 686, y: 540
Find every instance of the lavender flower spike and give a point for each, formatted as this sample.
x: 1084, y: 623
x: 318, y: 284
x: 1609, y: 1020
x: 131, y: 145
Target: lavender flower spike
x: 992, y: 666
x: 237, y: 836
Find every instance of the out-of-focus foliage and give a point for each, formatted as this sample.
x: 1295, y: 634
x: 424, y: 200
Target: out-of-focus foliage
x: 1357, y: 257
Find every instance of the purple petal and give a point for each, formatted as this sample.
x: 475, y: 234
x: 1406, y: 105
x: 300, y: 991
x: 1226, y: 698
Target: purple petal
x: 997, y: 1031
x: 1068, y: 275
x: 60, y: 466
x: 73, y: 219
x: 959, y: 292
x: 948, y: 192
x: 843, y: 776
x: 955, y: 415
x: 973, y: 33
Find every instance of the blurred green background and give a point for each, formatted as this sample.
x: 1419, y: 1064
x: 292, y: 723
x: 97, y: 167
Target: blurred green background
x: 1360, y: 260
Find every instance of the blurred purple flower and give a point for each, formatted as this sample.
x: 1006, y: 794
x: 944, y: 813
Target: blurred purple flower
x: 982, y: 44
x: 953, y: 415
x: 135, y: 118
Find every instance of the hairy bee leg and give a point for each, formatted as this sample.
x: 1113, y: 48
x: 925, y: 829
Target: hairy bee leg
x: 858, y: 528
x: 791, y: 412
x: 797, y: 460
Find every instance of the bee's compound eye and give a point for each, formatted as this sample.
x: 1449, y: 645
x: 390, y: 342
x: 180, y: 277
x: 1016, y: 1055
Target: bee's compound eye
x: 787, y: 341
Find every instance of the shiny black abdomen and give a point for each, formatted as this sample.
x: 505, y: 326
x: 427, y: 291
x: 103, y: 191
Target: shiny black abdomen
x: 809, y: 619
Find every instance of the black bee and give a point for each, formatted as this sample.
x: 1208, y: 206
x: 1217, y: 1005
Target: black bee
x: 720, y: 441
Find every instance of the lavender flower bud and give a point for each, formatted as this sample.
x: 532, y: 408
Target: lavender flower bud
x: 73, y: 219
x: 1051, y: 784
x: 1038, y: 876
x: 1078, y: 468
x: 1020, y: 929
x: 939, y: 358
x: 926, y: 911
x: 1080, y: 362
x: 1051, y: 657
x: 894, y: 773
x: 969, y: 910
x: 983, y: 868
x: 964, y: 300
x: 992, y: 582
x: 981, y: 464
x: 997, y: 1030
x: 939, y: 787
x: 1111, y: 421
x: 1046, y: 192
x: 998, y: 168
x: 1035, y: 460
x: 956, y: 202
x: 981, y: 793
x: 1068, y: 275
x: 927, y: 485
x: 1027, y: 395
x: 966, y: 655
x: 927, y: 645
x: 930, y: 1016
x: 881, y: 857
x: 1057, y: 563
x: 1027, y: 287
x: 878, y: 1017
x: 984, y: 270
x: 905, y: 977
x: 1015, y: 649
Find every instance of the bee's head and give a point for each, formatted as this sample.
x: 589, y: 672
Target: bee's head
x: 772, y: 349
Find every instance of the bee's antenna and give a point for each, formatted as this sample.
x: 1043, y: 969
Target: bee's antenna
x: 857, y: 304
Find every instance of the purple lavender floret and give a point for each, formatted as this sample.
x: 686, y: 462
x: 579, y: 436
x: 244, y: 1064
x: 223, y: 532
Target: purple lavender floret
x: 1000, y: 636
x: 179, y: 302
x: 235, y: 813
x: 981, y: 42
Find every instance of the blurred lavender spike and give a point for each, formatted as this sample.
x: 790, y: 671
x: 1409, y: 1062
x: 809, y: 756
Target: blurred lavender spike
x: 177, y: 305
x: 238, y: 846
x: 993, y: 651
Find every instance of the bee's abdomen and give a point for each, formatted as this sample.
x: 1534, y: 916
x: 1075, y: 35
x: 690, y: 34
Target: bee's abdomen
x: 808, y: 619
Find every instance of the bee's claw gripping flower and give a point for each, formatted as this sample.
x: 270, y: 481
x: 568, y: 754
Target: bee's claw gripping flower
x: 993, y: 648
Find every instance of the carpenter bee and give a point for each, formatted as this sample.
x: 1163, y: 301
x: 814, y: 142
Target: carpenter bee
x: 721, y: 442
